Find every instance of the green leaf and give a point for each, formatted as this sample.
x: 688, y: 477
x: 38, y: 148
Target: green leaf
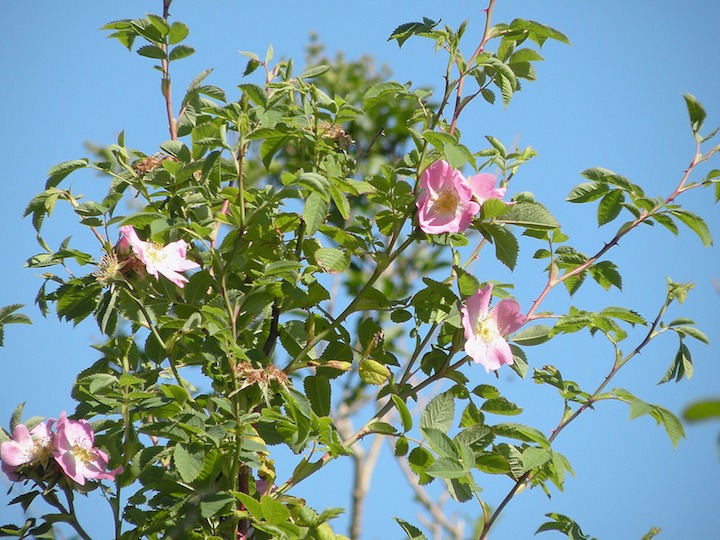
x: 178, y: 31
x: 273, y: 510
x: 255, y: 93
x: 458, y: 155
x: 605, y: 273
x: 493, y: 208
x: 440, y: 443
x: 181, y: 51
x: 439, y: 413
x: 178, y: 149
x: 703, y: 410
x: 692, y: 332
x: 341, y: 201
x: 77, y: 299
x: 500, y: 405
x: 446, y: 468
x: 467, y: 283
x: 663, y: 416
x: 314, y: 212
x: 695, y: 111
x: 533, y: 335
x: 189, y: 464
x: 623, y: 314
x: 251, y: 505
x: 412, y: 532
x: 332, y: 260
x: 152, y: 51
x: 610, y: 206
x: 215, y: 504
x: 499, y: 146
x: 314, y: 72
x: 681, y: 366
x: 506, y: 245
x: 317, y: 389
x: 586, y: 192
x: 533, y: 457
x: 564, y: 525
x: 8, y: 316
x: 405, y: 31
x: 539, y: 33
x: 61, y: 170
x: 521, y: 433
x: 529, y: 215
x: 404, y: 412
x: 492, y: 464
x: 696, y: 223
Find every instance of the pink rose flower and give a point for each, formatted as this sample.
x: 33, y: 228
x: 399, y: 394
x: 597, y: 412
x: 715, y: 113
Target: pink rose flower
x: 485, y: 329
x: 168, y: 261
x: 445, y: 204
x: 26, y: 448
x: 76, y: 454
x: 483, y: 187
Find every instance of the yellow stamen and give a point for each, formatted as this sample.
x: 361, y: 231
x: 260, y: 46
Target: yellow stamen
x: 446, y: 202
x: 82, y: 453
x: 487, y: 329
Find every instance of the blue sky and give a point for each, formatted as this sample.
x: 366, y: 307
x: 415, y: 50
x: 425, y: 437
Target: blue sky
x: 612, y: 99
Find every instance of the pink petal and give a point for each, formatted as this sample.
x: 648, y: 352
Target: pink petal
x: 433, y: 179
x: 17, y: 451
x: 478, y: 304
x: 176, y: 278
x: 499, y: 354
x: 491, y: 355
x: 128, y: 232
x: 483, y: 187
x: 508, y: 316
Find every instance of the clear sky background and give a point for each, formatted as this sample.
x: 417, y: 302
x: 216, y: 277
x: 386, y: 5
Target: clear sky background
x: 612, y: 99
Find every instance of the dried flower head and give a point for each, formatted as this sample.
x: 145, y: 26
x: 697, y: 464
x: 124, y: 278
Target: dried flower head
x: 150, y: 163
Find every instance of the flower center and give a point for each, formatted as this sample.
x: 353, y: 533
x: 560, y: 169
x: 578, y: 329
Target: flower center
x: 446, y: 202
x: 83, y: 454
x: 487, y: 329
x: 153, y: 254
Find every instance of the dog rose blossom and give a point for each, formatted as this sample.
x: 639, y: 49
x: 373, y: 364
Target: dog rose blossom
x: 485, y: 329
x: 169, y: 260
x: 483, y: 187
x: 76, y: 453
x: 445, y: 204
x: 27, y: 447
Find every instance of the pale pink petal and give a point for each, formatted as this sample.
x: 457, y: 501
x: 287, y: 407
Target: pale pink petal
x: 483, y: 187
x: 478, y: 304
x: 169, y: 260
x: 499, y: 354
x: 176, y: 278
x: 18, y: 451
x: 485, y: 329
x: 509, y: 318
x: 128, y: 232
x: 491, y: 355
x: 437, y: 175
